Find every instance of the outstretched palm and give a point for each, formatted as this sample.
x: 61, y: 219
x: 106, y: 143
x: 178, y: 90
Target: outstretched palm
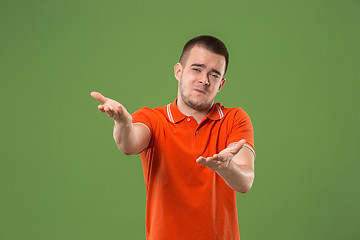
x: 222, y: 159
x: 112, y: 108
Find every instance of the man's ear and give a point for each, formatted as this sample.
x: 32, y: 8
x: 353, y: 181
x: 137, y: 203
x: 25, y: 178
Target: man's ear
x: 178, y: 70
x: 221, y: 84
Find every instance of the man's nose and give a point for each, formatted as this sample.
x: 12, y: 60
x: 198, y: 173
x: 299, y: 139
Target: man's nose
x: 204, y: 80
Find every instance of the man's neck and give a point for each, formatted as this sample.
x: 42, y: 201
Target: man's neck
x: 189, y: 111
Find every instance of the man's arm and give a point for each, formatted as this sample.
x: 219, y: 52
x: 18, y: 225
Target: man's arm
x: 130, y: 138
x: 235, y: 165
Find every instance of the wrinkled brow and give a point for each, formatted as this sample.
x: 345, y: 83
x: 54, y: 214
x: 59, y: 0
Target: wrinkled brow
x: 204, y: 66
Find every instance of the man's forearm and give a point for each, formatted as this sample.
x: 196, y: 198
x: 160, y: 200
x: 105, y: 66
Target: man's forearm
x: 125, y: 138
x: 239, y: 178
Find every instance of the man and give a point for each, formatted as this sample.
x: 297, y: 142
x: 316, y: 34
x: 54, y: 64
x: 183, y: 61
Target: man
x: 196, y: 154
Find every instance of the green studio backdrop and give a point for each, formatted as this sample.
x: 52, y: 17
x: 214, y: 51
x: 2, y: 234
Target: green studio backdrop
x: 294, y: 68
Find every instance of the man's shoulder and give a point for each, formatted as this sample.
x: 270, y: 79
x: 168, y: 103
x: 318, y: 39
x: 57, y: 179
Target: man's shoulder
x: 231, y: 111
x: 151, y: 111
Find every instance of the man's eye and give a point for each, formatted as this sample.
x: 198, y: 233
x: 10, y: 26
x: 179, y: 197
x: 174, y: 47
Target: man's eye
x: 196, y: 69
x: 214, y: 75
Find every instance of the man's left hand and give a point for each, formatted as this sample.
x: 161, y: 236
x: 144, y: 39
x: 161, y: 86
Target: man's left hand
x: 223, y: 158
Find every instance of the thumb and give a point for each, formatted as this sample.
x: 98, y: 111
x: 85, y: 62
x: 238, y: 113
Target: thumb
x: 235, y: 148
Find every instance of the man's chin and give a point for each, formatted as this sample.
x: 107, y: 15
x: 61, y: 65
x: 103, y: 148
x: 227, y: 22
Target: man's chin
x: 199, y: 106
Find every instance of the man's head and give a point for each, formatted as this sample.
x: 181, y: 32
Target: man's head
x: 200, y: 72
x: 210, y: 43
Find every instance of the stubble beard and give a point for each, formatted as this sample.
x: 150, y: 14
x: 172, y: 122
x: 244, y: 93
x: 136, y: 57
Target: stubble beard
x: 198, y: 106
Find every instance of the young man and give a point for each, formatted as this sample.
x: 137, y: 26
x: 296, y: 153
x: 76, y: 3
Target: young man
x: 196, y: 154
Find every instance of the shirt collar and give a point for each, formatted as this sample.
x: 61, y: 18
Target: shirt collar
x: 176, y: 116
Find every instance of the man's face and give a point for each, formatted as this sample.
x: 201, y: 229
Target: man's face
x: 200, y: 78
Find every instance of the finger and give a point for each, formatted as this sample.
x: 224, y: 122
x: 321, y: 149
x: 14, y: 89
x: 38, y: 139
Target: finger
x: 101, y: 108
x: 107, y: 109
x: 109, y: 112
x: 211, y: 163
x: 236, y: 144
x: 115, y: 114
x: 98, y: 96
x: 114, y: 110
x: 211, y: 159
x: 218, y: 158
x: 201, y: 160
x: 119, y: 109
x: 236, y: 147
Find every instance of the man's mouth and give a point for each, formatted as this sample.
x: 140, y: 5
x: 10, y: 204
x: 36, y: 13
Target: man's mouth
x: 199, y: 91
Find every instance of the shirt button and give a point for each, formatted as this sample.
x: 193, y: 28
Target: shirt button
x: 196, y: 131
x: 188, y: 119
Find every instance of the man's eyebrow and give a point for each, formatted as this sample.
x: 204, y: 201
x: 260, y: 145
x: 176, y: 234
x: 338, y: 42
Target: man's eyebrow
x: 198, y: 65
x: 203, y: 65
x: 216, y: 71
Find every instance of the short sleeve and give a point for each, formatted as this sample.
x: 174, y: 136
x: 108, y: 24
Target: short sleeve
x: 242, y: 129
x: 145, y: 116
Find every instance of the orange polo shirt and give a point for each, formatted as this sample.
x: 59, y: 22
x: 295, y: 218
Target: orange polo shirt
x: 186, y: 200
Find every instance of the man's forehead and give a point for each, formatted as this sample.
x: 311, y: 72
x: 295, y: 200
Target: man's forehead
x: 201, y: 55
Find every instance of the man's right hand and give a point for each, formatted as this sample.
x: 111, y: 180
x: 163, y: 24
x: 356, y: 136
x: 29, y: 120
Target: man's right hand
x: 130, y: 138
x: 112, y: 108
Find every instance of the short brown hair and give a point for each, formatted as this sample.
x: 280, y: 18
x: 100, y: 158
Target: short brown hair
x: 211, y: 43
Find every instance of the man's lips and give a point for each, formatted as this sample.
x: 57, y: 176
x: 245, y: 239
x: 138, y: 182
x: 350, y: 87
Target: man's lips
x: 199, y: 90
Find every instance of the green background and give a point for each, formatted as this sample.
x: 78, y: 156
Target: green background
x: 294, y: 67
